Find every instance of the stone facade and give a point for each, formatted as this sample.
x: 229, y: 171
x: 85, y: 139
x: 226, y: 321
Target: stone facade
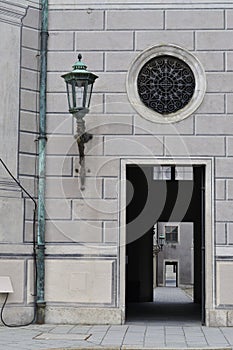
x: 83, y: 280
x: 19, y: 22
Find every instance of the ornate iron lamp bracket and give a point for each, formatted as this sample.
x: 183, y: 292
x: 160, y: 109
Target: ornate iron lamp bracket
x: 81, y: 138
x: 79, y: 84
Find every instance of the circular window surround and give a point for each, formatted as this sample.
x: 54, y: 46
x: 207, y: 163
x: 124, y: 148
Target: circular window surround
x: 182, y: 54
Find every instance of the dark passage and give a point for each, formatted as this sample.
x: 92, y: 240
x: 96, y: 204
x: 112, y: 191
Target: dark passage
x: 171, y: 306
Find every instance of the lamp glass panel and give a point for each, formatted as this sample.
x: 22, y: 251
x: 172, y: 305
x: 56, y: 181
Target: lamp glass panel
x: 89, y: 92
x: 74, y: 94
x: 69, y: 94
x: 80, y: 91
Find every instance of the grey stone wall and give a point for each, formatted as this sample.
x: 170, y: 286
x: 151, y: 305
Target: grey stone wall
x: 19, y: 71
x: 109, y: 37
x: 29, y: 110
x: 82, y: 228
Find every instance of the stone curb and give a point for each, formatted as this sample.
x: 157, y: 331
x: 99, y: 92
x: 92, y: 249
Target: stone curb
x: 133, y: 347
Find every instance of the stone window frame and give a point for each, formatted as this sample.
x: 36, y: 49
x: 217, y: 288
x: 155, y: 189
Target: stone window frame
x: 184, y: 55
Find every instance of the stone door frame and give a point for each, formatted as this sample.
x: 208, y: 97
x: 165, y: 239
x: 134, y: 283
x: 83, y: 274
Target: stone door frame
x: 209, y: 224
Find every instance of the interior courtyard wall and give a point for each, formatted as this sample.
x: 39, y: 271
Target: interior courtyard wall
x: 180, y: 252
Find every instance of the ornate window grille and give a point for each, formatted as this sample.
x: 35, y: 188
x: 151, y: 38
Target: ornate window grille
x: 165, y: 84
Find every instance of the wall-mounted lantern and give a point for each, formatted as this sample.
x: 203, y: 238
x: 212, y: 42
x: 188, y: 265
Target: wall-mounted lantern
x: 79, y: 86
x: 159, y: 240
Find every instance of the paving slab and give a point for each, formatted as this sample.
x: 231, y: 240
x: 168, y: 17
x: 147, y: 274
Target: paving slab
x: 61, y: 336
x: 115, y: 338
x: 136, y: 348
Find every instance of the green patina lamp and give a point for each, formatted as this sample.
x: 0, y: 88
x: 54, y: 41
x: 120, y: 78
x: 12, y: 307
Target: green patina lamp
x: 79, y: 86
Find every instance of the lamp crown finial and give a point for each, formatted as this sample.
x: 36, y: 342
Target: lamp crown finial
x: 79, y: 65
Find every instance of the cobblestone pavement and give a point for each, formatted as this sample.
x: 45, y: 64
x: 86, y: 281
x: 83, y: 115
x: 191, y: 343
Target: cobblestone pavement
x: 135, y: 334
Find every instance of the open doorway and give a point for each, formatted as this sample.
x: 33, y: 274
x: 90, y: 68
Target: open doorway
x: 173, y: 197
x: 171, y: 274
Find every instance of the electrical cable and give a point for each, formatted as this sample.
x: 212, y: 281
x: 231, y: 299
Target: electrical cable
x: 34, y: 253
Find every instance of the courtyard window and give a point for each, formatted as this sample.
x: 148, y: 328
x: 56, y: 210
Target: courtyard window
x: 171, y: 234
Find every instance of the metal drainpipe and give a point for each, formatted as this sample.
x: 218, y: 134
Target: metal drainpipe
x: 41, y: 165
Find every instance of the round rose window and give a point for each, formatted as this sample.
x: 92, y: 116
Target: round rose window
x: 165, y: 84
